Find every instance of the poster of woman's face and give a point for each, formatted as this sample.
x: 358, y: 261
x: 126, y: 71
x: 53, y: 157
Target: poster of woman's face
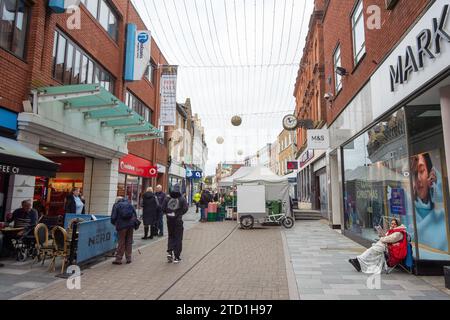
x: 429, y: 198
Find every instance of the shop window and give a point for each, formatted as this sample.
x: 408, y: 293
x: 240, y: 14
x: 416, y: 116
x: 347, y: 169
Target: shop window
x: 59, y: 58
x: 376, y: 183
x: 150, y: 72
x: 13, y: 25
x: 76, y: 67
x: 359, y: 38
x: 69, y: 64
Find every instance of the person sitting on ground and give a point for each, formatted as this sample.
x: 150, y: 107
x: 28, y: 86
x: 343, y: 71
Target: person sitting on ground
x: 394, y: 243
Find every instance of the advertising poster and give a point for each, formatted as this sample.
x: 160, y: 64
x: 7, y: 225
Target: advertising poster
x: 138, y: 53
x: 428, y: 201
x: 168, y: 96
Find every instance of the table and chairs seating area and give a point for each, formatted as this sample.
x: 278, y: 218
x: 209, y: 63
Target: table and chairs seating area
x: 48, y: 240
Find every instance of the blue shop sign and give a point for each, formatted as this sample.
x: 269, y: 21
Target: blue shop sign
x: 58, y: 6
x: 95, y: 237
x: 8, y: 120
x: 191, y: 174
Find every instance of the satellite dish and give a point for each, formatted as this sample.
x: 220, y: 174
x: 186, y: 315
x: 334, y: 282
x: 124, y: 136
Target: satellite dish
x: 219, y: 140
x: 236, y: 121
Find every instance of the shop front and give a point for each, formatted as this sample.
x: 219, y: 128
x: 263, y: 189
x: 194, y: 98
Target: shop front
x: 135, y: 176
x: 91, y: 128
x: 394, y: 161
x: 194, y: 182
x: 312, y: 182
x: 177, y: 175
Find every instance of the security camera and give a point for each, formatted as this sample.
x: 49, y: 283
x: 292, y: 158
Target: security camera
x: 328, y: 96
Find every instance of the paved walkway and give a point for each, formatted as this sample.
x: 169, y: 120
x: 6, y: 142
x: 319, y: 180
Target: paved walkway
x: 320, y: 256
x: 18, y: 278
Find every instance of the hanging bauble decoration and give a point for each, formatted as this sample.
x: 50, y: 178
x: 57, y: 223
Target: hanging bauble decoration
x: 240, y: 153
x: 219, y: 140
x: 236, y: 121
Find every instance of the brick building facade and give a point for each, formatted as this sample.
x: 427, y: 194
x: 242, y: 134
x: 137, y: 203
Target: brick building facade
x: 96, y: 51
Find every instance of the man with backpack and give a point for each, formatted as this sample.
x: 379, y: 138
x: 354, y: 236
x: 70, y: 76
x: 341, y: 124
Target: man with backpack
x: 175, y: 206
x: 124, y: 217
x: 205, y: 199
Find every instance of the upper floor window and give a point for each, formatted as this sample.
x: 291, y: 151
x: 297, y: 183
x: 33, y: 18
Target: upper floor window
x: 150, y: 73
x: 337, y: 64
x: 138, y: 106
x: 359, y: 39
x: 71, y: 65
x: 103, y: 12
x: 13, y: 25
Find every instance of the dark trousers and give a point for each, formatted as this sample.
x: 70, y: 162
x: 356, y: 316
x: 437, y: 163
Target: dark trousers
x: 153, y: 230
x: 125, y: 244
x: 161, y: 225
x: 196, y: 207
x: 175, y: 229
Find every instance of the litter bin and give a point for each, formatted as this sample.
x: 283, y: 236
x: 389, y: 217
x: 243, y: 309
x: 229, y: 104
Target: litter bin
x: 447, y: 276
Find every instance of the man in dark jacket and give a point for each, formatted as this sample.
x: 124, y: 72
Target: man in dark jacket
x: 151, y: 213
x: 124, y: 217
x: 161, y: 197
x: 175, y: 206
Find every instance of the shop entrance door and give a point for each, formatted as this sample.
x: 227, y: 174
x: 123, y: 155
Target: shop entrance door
x: 322, y: 192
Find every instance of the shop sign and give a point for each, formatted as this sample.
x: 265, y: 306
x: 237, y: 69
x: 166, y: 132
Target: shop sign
x: 306, y: 157
x: 292, y: 165
x: 137, y: 166
x: 318, y: 139
x: 190, y: 174
x: 428, y: 44
x: 138, y: 53
x: 60, y: 6
x: 9, y: 169
x: 161, y: 168
x: 8, y: 120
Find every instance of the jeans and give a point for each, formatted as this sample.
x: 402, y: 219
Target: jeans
x: 175, y: 229
x: 125, y: 244
x: 161, y: 225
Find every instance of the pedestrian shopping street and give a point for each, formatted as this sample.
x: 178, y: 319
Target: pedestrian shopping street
x: 222, y: 261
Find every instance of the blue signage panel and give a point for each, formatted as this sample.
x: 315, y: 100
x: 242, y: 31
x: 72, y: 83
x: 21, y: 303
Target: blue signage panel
x: 129, y: 53
x: 57, y: 6
x: 8, y: 119
x: 398, y: 202
x: 95, y: 237
x: 190, y: 174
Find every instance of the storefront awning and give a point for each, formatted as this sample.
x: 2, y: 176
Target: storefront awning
x: 96, y: 103
x: 15, y: 158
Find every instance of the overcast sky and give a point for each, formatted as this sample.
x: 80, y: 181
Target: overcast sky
x: 235, y: 57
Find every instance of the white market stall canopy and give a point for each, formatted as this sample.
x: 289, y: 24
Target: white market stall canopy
x: 261, y: 175
x: 228, y: 181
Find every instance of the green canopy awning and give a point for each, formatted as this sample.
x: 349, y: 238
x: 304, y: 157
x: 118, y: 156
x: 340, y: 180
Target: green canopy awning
x: 96, y: 103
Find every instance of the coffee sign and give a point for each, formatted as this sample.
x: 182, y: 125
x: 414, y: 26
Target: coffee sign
x: 9, y: 169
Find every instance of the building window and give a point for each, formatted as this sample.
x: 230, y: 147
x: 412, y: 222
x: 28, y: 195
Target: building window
x: 359, y: 39
x: 161, y: 140
x: 72, y: 66
x: 13, y: 25
x: 105, y: 15
x: 138, y: 106
x: 150, y: 73
x: 337, y: 64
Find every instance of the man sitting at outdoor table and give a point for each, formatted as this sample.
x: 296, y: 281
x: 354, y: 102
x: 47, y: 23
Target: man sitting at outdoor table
x: 24, y: 218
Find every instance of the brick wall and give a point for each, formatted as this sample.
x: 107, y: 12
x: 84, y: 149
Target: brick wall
x: 18, y: 77
x: 379, y: 42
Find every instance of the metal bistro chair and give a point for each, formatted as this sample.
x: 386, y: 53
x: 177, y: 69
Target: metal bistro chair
x: 43, y: 247
x: 60, y: 247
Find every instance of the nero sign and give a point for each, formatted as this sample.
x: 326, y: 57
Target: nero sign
x: 428, y: 45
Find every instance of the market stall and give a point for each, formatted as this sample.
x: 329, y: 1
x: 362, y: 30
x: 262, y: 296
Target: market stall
x: 258, y: 190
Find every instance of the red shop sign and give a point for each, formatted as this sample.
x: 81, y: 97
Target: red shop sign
x: 137, y: 166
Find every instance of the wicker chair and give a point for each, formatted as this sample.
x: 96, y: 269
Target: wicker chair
x: 44, y: 248
x: 60, y: 246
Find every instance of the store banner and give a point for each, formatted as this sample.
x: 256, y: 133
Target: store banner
x: 168, y: 96
x: 191, y: 174
x: 138, y: 53
x: 136, y: 166
x: 292, y: 165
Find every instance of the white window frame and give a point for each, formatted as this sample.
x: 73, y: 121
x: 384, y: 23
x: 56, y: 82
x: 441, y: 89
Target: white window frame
x: 337, y: 61
x: 357, y: 20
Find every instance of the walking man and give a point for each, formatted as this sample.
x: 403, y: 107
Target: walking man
x: 161, y: 197
x: 175, y: 206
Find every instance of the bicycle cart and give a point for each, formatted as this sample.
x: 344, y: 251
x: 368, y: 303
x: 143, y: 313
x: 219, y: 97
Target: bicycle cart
x: 258, y: 189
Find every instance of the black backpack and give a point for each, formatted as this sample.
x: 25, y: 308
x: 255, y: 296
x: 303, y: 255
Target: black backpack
x: 125, y: 211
